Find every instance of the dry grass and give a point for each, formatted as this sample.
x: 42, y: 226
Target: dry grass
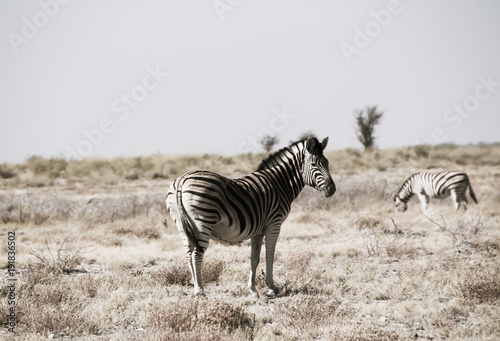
x: 99, y: 258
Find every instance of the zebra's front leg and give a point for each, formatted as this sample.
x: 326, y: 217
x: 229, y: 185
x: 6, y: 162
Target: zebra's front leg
x: 424, y: 200
x: 271, y: 239
x: 254, y: 262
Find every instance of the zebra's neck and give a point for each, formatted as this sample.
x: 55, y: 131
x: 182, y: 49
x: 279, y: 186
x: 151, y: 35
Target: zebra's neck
x: 406, y: 191
x: 286, y: 166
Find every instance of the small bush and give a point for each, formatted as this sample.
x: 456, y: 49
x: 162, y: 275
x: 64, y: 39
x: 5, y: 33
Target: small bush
x: 169, y: 275
x: 422, y: 151
x: 180, y: 274
x: 176, y: 317
x: 302, y: 313
x: 225, y: 315
x: 197, y: 314
x: 481, y: 288
x: 6, y: 172
x: 211, y: 271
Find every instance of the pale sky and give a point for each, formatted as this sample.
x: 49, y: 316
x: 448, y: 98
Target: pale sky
x: 127, y: 78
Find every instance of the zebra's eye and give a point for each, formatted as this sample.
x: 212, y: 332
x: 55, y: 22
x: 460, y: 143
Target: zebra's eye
x: 313, y: 164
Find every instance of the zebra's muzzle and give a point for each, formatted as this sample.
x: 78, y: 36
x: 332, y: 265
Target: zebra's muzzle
x: 329, y: 189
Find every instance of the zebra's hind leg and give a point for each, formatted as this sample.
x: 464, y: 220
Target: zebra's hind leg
x: 271, y: 239
x: 189, y: 256
x: 194, y: 260
x: 465, y: 202
x: 459, y: 198
x: 197, y: 260
x: 254, y: 262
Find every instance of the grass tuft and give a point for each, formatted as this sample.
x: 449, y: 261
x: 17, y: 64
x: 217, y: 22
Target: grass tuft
x: 481, y: 288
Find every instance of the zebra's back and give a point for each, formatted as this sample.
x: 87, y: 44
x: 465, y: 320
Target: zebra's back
x: 223, y: 209
x: 440, y: 185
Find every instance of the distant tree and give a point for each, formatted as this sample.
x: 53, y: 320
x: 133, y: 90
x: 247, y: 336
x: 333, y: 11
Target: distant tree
x: 366, y: 120
x: 267, y: 142
x: 307, y: 134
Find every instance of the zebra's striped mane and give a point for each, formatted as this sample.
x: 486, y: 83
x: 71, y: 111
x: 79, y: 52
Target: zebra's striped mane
x: 281, y: 155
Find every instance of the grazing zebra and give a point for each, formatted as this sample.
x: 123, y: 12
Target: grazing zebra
x: 437, y: 185
x: 205, y: 205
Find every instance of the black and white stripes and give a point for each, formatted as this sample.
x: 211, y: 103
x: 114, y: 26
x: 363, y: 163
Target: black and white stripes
x: 205, y: 205
x: 437, y: 185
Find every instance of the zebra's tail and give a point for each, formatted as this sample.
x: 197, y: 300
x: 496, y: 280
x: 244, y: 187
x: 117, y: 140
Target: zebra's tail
x: 186, y: 221
x: 471, y: 192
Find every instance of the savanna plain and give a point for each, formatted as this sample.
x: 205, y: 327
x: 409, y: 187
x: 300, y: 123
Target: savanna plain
x: 98, y: 257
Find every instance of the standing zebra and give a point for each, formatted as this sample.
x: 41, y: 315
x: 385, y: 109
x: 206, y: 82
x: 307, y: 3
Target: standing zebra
x: 205, y: 205
x: 437, y: 185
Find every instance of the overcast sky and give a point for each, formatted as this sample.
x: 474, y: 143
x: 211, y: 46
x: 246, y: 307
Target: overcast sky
x: 125, y: 78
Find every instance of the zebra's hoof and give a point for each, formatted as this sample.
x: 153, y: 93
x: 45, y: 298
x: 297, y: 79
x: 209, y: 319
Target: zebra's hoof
x: 199, y: 293
x: 272, y: 293
x: 254, y: 294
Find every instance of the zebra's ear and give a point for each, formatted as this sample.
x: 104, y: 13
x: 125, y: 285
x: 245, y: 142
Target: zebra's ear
x: 324, y: 143
x: 310, y: 144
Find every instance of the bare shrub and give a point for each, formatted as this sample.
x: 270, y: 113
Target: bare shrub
x: 474, y: 227
x: 458, y: 229
x: 401, y: 242
x: 370, y: 231
x: 63, y: 259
